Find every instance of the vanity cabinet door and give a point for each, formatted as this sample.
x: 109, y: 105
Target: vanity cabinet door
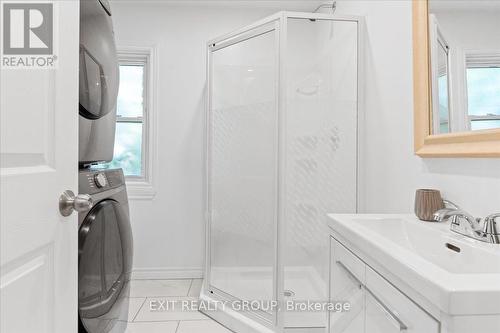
x: 388, y: 310
x: 347, y: 275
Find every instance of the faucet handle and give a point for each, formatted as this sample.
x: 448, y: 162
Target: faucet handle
x: 449, y: 204
x: 449, y: 207
x: 490, y: 224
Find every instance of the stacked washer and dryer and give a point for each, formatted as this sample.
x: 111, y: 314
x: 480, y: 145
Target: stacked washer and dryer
x: 105, y: 237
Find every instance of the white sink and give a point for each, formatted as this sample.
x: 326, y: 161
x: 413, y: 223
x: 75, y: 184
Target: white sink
x: 457, y: 274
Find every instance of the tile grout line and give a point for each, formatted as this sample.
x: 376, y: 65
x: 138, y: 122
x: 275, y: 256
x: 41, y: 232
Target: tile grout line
x: 190, y: 286
x: 165, y: 295
x: 140, y: 308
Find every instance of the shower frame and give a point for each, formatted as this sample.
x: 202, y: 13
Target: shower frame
x: 260, y: 321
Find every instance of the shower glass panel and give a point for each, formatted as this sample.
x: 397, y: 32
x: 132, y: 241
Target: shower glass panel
x: 321, y: 153
x: 243, y: 166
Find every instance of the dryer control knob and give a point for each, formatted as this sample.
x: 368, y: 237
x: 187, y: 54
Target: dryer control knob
x: 100, y: 180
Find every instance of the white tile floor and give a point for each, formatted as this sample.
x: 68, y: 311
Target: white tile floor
x: 145, y: 294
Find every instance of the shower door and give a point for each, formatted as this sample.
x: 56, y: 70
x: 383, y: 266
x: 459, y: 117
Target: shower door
x: 320, y: 153
x: 242, y: 166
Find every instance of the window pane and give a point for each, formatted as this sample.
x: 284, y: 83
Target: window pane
x: 128, y: 149
x: 483, y: 91
x: 484, y: 124
x: 130, y: 94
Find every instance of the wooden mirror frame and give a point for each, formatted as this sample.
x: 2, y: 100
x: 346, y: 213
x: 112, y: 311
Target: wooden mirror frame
x: 484, y: 143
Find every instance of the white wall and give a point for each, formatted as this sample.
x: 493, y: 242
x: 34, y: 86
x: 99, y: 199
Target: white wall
x: 392, y: 172
x: 169, y: 230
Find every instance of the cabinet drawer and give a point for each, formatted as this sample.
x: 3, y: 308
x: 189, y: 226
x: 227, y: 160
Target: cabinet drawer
x: 345, y: 259
x: 388, y: 310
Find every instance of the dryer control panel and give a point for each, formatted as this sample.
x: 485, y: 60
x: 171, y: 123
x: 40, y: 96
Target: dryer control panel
x: 93, y: 181
x: 100, y: 180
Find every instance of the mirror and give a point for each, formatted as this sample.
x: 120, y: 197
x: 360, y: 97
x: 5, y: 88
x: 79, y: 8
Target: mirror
x: 456, y: 78
x: 464, y: 55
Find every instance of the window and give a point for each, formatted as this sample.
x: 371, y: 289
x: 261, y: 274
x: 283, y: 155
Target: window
x: 134, y: 137
x: 129, y: 138
x: 483, y: 90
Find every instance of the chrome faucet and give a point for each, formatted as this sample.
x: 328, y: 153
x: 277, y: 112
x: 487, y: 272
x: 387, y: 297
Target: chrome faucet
x: 491, y: 228
x: 465, y: 224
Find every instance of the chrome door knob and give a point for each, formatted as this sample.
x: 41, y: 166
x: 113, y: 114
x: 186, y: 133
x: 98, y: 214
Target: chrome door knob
x: 68, y: 202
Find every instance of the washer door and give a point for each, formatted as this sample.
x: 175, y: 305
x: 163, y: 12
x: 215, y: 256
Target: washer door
x: 100, y: 259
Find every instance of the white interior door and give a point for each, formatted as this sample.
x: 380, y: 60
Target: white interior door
x: 39, y: 160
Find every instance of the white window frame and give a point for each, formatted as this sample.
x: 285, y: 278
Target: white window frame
x: 437, y: 41
x: 143, y: 187
x: 478, y: 59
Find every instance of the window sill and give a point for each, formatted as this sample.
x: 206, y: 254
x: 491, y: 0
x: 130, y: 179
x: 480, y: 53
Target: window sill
x: 140, y: 190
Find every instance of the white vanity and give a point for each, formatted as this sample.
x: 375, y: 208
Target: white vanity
x: 400, y: 274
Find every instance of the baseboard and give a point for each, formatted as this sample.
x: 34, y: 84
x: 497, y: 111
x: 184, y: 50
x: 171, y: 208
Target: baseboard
x: 157, y: 273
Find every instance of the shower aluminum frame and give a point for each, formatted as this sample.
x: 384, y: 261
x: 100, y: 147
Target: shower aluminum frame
x: 270, y: 322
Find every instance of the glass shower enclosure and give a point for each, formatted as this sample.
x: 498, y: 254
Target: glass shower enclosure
x: 283, y: 105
